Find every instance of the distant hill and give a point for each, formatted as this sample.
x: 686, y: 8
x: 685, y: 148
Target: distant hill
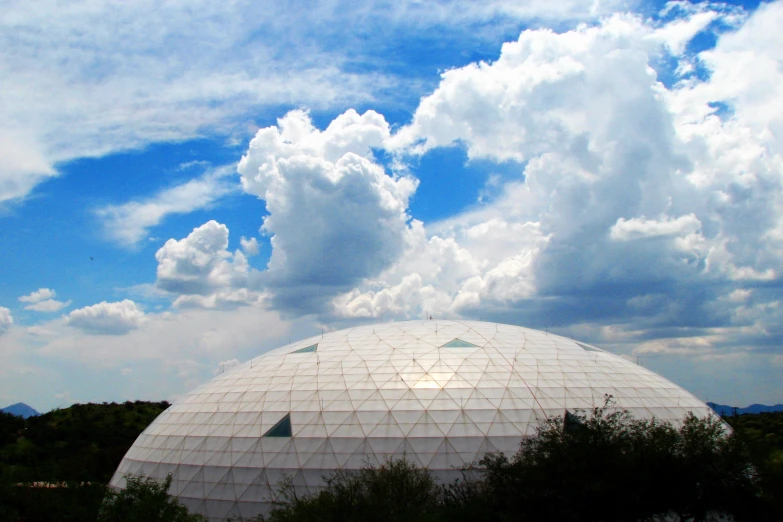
x: 722, y: 409
x: 21, y: 409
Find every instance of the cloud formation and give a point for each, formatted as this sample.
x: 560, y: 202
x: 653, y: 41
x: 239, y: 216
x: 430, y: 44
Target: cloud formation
x: 201, y: 272
x: 335, y: 215
x: 107, y: 318
x: 129, y: 223
x: 148, y: 73
x: 6, y: 320
x: 39, y: 295
x: 636, y: 202
x: 42, y: 301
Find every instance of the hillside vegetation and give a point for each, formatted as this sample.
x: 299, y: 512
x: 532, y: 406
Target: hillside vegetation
x: 81, y: 446
x: 609, y: 468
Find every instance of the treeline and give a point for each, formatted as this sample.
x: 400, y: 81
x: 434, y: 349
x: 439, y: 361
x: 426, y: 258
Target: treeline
x: 82, y: 443
x: 605, y: 466
x: 78, y: 447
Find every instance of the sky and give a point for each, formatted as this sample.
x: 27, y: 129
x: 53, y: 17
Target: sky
x: 185, y: 185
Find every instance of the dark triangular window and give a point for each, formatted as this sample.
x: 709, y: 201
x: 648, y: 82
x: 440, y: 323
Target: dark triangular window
x: 571, y: 422
x: 281, y: 429
x: 307, y: 349
x: 459, y: 343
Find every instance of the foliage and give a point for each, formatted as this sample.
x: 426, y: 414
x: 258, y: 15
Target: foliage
x: 82, y: 443
x: 70, y: 502
x: 144, y: 500
x: 74, y: 450
x: 603, y: 466
x: 612, y: 467
x: 396, y: 490
x: 763, y: 434
x: 11, y: 428
x: 607, y: 466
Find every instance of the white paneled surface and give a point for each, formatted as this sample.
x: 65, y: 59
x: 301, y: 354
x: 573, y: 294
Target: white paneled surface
x: 442, y: 393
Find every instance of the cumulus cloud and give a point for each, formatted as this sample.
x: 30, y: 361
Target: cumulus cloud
x: 6, y: 320
x: 635, y: 200
x: 249, y: 246
x: 42, y: 301
x: 39, y: 295
x: 129, y: 223
x: 335, y: 216
x: 107, y: 318
x: 201, y: 273
x: 198, y: 263
x: 638, y: 228
x: 49, y: 305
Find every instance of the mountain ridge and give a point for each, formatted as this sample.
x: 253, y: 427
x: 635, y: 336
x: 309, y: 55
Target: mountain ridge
x: 723, y: 409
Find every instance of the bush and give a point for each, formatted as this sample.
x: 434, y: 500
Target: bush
x: 144, y: 500
x: 612, y: 467
x: 396, y: 490
x: 605, y: 467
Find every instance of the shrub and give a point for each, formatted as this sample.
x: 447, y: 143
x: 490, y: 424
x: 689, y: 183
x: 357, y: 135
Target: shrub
x: 144, y: 500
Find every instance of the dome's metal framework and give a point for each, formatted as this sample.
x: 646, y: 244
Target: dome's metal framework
x: 441, y: 393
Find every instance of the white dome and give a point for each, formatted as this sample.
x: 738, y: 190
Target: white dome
x: 442, y: 393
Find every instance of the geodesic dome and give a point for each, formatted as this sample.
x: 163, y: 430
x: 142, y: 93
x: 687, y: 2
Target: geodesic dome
x: 441, y: 393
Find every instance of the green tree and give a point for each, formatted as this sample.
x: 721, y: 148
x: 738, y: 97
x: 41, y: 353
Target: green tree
x: 144, y: 500
x: 396, y: 490
x: 611, y: 467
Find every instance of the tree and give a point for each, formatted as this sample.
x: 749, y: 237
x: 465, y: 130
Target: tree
x: 603, y: 466
x: 144, y: 500
x: 397, y: 490
x: 610, y: 466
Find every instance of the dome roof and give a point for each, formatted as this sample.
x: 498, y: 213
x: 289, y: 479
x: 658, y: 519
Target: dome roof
x: 442, y: 393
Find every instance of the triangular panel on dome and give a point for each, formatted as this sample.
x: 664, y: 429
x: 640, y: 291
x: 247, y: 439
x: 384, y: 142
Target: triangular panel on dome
x: 281, y: 429
x: 458, y: 343
x: 307, y: 349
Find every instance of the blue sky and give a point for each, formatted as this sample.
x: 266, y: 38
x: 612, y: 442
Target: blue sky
x: 183, y: 187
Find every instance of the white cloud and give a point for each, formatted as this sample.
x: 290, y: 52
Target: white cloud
x: 169, y: 353
x: 223, y: 298
x: 49, y: 305
x: 147, y: 73
x: 130, y: 222
x: 745, y: 73
x: 249, y: 246
x: 201, y: 273
x: 637, y: 203
x: 335, y: 216
x: 678, y: 33
x: 638, y: 228
x: 107, y: 318
x: 42, y: 301
x: 406, y: 299
x: 6, y: 320
x: 199, y: 263
x: 37, y: 296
